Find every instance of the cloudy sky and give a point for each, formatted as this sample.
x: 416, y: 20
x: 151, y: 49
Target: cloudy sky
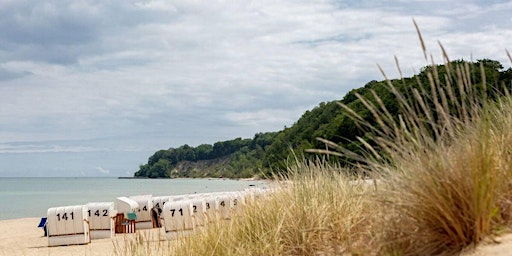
x: 94, y: 87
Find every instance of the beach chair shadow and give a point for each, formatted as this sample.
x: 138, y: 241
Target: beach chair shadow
x: 42, y: 224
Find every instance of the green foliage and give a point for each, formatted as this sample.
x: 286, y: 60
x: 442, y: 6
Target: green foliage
x: 244, y: 155
x: 270, y: 152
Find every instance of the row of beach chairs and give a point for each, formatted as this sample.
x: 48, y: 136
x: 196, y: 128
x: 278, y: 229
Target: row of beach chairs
x: 177, y: 215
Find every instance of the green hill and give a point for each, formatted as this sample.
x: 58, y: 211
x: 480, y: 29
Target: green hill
x: 269, y: 152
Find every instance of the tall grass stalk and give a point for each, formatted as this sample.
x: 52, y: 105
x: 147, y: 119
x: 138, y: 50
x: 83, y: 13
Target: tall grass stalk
x: 444, y: 199
x: 317, y: 212
x: 144, y: 242
x: 446, y: 163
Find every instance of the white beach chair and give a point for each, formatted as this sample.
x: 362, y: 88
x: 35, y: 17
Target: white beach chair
x: 101, y: 219
x: 143, y: 211
x: 68, y: 225
x: 178, y: 220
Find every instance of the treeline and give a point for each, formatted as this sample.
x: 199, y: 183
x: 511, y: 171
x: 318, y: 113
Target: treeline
x: 270, y: 152
x: 244, y: 159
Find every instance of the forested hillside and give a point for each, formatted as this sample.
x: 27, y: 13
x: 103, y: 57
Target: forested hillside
x: 269, y: 152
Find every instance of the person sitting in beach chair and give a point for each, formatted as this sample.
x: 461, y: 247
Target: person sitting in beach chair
x: 155, y: 217
x: 42, y: 224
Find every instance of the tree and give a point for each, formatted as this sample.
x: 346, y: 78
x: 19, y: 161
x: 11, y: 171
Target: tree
x: 160, y: 169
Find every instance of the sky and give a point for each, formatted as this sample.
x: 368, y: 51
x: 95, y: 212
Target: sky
x: 93, y: 88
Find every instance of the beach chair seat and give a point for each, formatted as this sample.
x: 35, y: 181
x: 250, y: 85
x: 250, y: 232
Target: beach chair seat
x: 120, y: 228
x: 129, y: 222
x: 125, y: 222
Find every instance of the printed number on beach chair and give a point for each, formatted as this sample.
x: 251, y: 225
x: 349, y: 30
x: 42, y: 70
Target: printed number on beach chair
x: 178, y: 216
x: 97, y: 213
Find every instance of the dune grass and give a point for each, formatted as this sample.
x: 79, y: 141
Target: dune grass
x: 446, y: 165
x: 316, y: 211
x: 444, y: 171
x: 144, y: 242
x: 442, y: 199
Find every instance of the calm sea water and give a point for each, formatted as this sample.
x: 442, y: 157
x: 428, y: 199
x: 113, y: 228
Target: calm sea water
x: 31, y: 197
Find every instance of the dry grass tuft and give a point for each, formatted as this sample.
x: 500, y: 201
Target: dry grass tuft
x: 446, y: 163
x: 144, y: 242
x: 317, y: 212
x: 454, y: 195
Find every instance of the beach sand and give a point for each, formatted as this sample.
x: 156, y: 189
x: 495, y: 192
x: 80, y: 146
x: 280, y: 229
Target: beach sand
x: 500, y: 246
x: 23, y: 237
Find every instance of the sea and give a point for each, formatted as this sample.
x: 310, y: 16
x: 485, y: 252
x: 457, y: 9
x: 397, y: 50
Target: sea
x: 31, y: 197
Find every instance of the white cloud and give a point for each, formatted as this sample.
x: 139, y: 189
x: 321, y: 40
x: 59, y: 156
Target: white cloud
x: 102, y: 170
x: 158, y: 74
x: 35, y: 148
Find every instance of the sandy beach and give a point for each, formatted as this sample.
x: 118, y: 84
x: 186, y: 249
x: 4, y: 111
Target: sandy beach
x: 23, y: 237
x: 500, y: 246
